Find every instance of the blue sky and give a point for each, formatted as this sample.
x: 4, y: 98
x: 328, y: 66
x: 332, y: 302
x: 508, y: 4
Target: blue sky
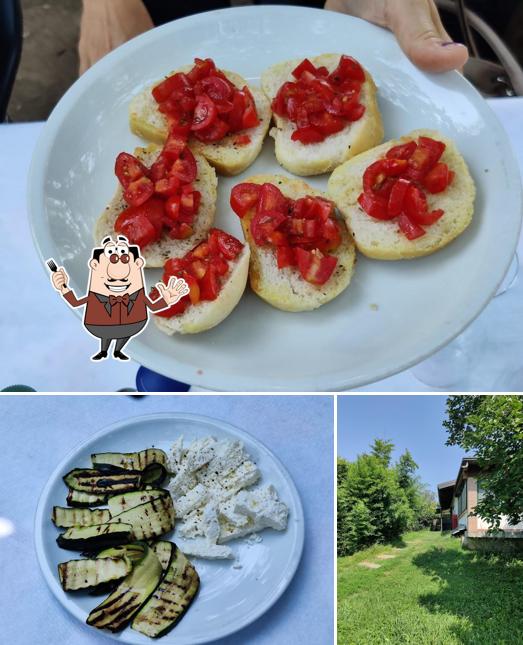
x: 413, y: 422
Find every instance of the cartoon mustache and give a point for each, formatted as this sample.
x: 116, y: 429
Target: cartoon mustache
x: 117, y: 279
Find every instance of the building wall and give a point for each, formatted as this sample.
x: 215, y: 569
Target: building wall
x: 476, y: 523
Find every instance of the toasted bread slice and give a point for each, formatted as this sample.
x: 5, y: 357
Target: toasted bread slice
x: 227, y: 157
x: 157, y: 253
x: 208, y: 314
x: 317, y: 158
x: 383, y: 240
x: 285, y: 288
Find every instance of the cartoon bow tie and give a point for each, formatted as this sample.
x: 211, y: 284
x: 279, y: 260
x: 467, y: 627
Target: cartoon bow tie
x: 113, y: 300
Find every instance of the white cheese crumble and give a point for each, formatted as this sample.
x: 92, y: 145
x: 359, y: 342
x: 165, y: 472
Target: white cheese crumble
x: 214, y: 497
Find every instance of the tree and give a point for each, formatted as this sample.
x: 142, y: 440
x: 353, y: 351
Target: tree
x: 371, y: 505
x: 406, y: 467
x: 382, y: 450
x: 359, y: 531
x: 492, y: 427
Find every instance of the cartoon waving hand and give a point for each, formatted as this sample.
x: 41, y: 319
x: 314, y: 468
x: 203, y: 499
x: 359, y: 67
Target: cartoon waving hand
x: 175, y: 290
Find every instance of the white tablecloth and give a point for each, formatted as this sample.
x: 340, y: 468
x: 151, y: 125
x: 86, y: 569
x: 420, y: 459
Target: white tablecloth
x: 40, y: 430
x: 31, y: 311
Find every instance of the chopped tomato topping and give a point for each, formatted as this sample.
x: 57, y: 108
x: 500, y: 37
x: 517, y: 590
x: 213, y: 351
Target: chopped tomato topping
x: 314, y: 266
x: 395, y: 185
x: 290, y: 226
x: 206, y: 103
x: 244, y: 197
x: 409, y: 228
x: 204, y: 269
x: 128, y: 168
x: 437, y: 179
x: 318, y: 103
x: 162, y: 198
x: 138, y: 191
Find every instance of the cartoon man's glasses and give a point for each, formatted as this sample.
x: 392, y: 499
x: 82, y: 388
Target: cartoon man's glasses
x: 114, y: 258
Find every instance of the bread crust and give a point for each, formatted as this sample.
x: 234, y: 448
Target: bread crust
x: 285, y: 288
x: 382, y: 240
x: 318, y: 158
x: 207, y: 314
x: 228, y: 158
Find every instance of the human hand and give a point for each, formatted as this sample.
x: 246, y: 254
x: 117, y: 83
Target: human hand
x: 105, y: 24
x: 59, y: 278
x: 417, y: 26
x: 175, y: 290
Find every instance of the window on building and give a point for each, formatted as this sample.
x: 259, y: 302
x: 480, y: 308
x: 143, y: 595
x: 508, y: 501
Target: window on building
x: 481, y: 490
x: 462, y: 499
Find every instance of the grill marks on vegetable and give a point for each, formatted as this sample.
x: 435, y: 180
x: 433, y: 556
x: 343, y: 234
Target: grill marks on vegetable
x: 88, y: 480
x: 172, y: 597
x: 155, y: 584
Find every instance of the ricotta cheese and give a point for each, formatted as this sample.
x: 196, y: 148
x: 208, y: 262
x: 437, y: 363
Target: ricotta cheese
x: 217, y: 496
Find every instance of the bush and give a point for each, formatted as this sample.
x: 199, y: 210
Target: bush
x: 377, y: 502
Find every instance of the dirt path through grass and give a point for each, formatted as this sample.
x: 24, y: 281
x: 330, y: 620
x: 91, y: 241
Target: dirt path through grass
x: 431, y: 592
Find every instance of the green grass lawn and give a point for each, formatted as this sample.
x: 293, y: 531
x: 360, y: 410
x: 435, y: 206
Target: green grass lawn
x: 431, y: 592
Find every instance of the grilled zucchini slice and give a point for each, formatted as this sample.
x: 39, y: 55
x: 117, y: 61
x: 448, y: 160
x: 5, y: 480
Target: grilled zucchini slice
x: 93, y: 481
x: 152, y: 462
x: 67, y: 517
x: 171, y: 599
x: 80, y: 499
x: 115, y: 612
x: 132, y: 552
x: 120, y: 503
x: 89, y: 574
x: 149, y: 520
x: 92, y: 538
x: 163, y: 550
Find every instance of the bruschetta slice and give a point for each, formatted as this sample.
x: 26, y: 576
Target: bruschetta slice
x: 406, y: 198
x: 325, y: 112
x: 224, y: 118
x: 165, y: 201
x: 216, y: 271
x: 301, y: 254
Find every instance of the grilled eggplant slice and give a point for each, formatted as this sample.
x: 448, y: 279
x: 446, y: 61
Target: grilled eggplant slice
x: 67, y: 517
x: 152, y: 462
x: 89, y: 480
x: 149, y: 520
x: 120, y: 503
x: 89, y: 574
x: 116, y: 611
x: 92, y: 538
x: 171, y: 599
x: 80, y: 499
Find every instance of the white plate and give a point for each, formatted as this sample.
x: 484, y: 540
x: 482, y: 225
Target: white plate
x: 229, y: 598
x: 421, y: 304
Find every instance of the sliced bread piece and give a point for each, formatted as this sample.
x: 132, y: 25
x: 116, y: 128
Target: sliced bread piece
x: 209, y: 313
x: 317, y: 158
x: 383, y: 240
x: 285, y: 288
x: 158, y: 252
x: 227, y: 157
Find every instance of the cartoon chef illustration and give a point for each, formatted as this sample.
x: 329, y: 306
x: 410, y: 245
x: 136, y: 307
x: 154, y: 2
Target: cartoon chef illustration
x: 116, y: 303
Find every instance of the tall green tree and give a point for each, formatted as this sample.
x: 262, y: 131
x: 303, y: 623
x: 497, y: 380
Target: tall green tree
x: 492, y: 428
x: 382, y: 450
x: 406, y: 467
